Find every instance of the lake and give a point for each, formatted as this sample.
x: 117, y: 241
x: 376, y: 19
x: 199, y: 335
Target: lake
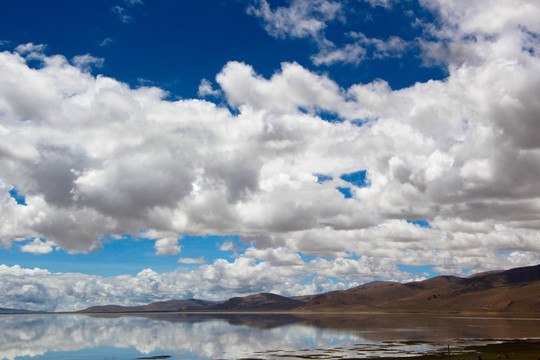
x: 255, y: 336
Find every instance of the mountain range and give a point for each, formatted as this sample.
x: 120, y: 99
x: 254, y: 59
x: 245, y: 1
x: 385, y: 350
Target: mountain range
x: 15, y: 311
x: 515, y: 290
x: 171, y: 305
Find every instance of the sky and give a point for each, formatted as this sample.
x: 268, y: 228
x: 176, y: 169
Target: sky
x: 156, y: 150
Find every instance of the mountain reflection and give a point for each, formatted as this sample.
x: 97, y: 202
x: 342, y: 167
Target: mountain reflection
x: 259, y: 320
x: 205, y: 336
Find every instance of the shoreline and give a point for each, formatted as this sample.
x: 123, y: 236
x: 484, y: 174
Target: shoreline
x: 449, y: 314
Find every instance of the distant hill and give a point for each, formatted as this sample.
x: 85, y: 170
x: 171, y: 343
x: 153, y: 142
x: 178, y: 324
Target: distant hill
x: 257, y: 302
x: 171, y: 305
x: 515, y: 290
x: 15, y: 311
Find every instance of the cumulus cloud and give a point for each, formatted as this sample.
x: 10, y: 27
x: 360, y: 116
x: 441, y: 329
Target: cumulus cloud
x: 29, y: 48
x: 93, y: 156
x: 292, y: 88
x: 38, y: 247
x: 38, y: 289
x: 229, y: 246
x: 206, y: 89
x: 436, y: 152
x: 167, y: 246
x: 276, y: 256
x: 475, y: 33
x: 278, y: 270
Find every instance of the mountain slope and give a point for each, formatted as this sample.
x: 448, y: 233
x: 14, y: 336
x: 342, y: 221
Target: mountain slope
x: 257, y: 302
x: 15, y: 311
x: 515, y: 290
x: 263, y: 301
x: 171, y: 305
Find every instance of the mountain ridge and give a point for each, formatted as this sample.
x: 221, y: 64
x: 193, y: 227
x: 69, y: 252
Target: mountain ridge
x: 159, y: 306
x: 16, y: 311
x: 513, y: 290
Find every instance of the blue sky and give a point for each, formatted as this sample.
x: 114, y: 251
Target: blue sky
x: 157, y: 41
x: 220, y: 148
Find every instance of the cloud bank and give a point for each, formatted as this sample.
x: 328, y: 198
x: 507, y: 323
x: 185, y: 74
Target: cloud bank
x: 93, y: 156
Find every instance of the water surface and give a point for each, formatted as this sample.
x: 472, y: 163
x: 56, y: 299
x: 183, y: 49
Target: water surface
x: 236, y: 336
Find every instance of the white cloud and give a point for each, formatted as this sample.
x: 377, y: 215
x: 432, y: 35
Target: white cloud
x: 301, y: 19
x: 86, y: 62
x: 432, y: 142
x: 93, y: 156
x: 483, y: 30
x: 114, y: 193
x: 107, y: 41
x: 383, y: 3
x: 309, y: 19
x: 41, y: 290
x: 29, y: 48
x: 276, y: 256
x: 463, y: 32
x: 270, y: 270
x: 167, y: 246
x: 349, y: 54
x: 229, y: 246
x: 122, y: 14
x: 38, y: 247
x: 206, y: 89
x: 291, y: 88
x: 362, y: 48
x: 199, y: 260
x: 394, y: 46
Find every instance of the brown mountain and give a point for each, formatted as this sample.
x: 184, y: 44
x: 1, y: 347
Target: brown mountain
x: 16, y: 311
x: 171, y: 305
x: 257, y: 302
x: 516, y: 290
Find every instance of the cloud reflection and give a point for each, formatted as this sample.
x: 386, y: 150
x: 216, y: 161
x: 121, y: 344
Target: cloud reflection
x: 205, y: 336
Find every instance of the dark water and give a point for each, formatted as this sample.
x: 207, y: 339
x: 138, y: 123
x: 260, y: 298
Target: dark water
x: 264, y: 336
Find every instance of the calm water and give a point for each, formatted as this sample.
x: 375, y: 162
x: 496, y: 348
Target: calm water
x: 205, y: 336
